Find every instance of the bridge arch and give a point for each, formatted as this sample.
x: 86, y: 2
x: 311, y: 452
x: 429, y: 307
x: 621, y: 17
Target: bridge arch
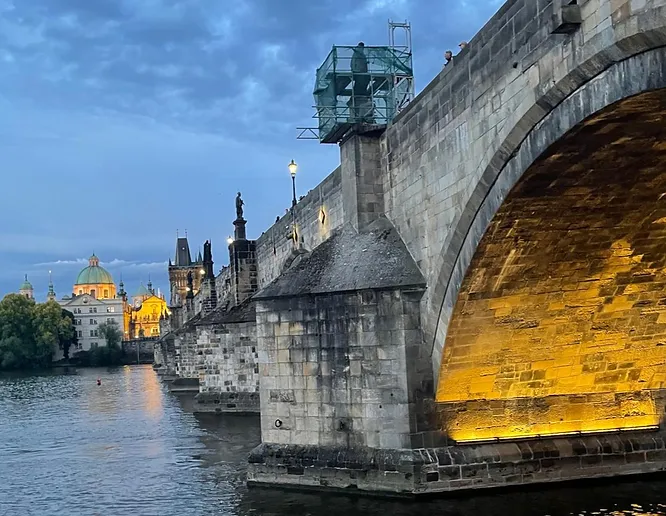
x: 479, y: 372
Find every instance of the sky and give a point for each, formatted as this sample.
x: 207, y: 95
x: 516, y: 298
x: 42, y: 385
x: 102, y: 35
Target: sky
x: 123, y: 122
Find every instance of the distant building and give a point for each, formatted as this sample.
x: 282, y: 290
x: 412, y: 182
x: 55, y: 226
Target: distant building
x: 95, y: 300
x: 89, y: 312
x: 145, y: 312
x: 179, y: 269
x: 26, y: 289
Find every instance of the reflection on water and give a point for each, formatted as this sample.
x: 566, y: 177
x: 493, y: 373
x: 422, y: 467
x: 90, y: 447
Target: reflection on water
x: 69, y: 446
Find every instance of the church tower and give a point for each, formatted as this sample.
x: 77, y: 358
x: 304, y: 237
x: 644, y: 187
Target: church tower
x: 51, y: 296
x: 26, y: 289
x: 179, y: 270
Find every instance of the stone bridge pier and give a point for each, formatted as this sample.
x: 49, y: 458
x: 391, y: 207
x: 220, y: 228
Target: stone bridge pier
x: 488, y: 305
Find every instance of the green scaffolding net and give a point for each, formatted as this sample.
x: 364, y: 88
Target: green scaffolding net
x: 361, y: 85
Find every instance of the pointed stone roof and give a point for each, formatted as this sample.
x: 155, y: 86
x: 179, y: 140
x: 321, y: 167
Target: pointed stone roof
x: 183, y: 256
x: 348, y: 261
x: 245, y: 312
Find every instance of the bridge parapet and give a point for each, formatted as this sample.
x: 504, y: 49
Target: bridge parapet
x: 317, y: 214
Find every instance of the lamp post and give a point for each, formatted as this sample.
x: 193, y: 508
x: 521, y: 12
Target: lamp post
x: 293, y: 167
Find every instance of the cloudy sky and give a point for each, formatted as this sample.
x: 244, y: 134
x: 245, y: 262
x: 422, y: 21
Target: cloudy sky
x: 123, y: 121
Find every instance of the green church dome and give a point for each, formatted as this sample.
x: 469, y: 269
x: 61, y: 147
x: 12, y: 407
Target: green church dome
x: 26, y: 285
x: 94, y: 274
x: 142, y: 291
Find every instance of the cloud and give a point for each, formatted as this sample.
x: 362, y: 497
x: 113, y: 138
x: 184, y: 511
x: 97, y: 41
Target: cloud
x: 77, y: 262
x: 123, y: 120
x: 116, y: 263
x: 126, y: 265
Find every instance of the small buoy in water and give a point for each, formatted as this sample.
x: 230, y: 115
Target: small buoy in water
x: 99, y: 382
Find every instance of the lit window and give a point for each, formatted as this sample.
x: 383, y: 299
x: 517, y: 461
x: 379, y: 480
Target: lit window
x: 110, y: 308
x: 106, y: 293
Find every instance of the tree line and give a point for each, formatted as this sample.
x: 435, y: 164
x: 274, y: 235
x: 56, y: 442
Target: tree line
x: 31, y: 332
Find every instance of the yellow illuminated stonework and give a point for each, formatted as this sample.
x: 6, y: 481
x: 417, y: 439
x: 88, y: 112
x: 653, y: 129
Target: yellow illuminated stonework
x: 560, y: 323
x: 145, y: 317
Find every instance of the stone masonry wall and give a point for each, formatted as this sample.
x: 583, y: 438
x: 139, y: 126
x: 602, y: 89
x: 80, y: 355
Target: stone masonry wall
x: 334, y: 369
x: 274, y: 246
x: 454, y: 468
x: 187, y: 359
x: 443, y: 153
x: 563, y: 309
x: 363, y: 197
x: 229, y: 370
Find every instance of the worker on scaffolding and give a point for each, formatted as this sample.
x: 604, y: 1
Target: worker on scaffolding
x: 361, y: 101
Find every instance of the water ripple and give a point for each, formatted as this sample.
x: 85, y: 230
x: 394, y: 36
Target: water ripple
x: 68, y: 446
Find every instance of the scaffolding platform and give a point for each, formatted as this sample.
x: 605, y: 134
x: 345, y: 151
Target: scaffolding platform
x: 361, y: 85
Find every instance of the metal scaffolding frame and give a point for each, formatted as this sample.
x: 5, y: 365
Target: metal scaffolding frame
x: 366, y: 85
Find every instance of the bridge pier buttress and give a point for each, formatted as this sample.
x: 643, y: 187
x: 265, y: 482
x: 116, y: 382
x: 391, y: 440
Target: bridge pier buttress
x: 344, y: 375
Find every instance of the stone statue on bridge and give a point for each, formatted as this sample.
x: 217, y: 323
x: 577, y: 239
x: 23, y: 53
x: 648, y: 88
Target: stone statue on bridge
x: 239, y: 206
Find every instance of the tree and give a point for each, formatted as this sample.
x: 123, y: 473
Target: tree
x: 52, y: 328
x: 111, y: 333
x: 17, y: 316
x: 17, y: 339
x: 30, y: 333
x: 109, y: 355
x: 67, y: 343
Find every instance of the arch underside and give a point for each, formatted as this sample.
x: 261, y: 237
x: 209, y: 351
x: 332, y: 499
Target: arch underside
x: 560, y: 322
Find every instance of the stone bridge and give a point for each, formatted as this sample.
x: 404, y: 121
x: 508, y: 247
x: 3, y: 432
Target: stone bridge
x: 498, y: 248
x: 478, y: 293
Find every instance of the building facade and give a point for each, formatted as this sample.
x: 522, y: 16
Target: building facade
x: 145, y: 312
x: 89, y: 312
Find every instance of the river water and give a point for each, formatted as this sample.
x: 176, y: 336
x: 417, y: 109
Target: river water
x: 70, y: 447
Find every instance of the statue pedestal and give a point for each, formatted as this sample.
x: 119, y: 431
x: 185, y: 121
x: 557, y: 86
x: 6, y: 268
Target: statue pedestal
x: 239, y: 231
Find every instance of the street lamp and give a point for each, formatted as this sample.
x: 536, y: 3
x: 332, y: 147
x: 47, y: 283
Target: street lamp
x: 293, y: 167
x: 230, y: 240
